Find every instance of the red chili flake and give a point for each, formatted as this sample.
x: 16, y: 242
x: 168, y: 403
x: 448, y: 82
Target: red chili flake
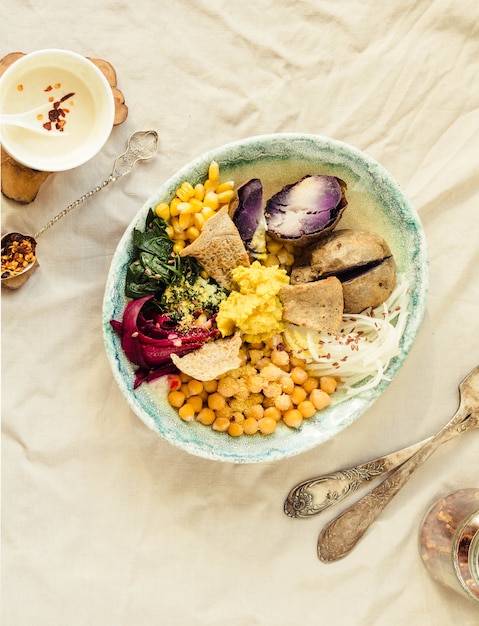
x: 47, y: 126
x: 49, y: 88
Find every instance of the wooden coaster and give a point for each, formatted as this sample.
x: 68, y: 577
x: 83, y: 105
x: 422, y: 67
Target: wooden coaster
x: 22, y: 183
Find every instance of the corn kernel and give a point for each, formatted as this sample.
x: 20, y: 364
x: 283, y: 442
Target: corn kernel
x: 274, y: 246
x: 188, y: 188
x: 185, y: 207
x: 198, y: 220
x: 213, y: 171
x: 178, y: 246
x: 225, y: 196
x: 170, y: 231
x: 195, y: 386
x: 196, y: 204
x: 207, y: 212
x: 226, y: 186
x: 184, y: 220
x: 192, y: 233
x: 182, y: 194
x: 211, y: 200
x: 199, y: 192
x: 271, y: 260
x: 174, y: 206
x: 163, y: 211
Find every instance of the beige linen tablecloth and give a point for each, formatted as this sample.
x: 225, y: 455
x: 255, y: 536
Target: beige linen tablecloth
x: 103, y: 522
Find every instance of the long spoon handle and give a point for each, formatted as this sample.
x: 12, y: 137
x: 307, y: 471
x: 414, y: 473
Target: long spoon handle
x: 314, y: 495
x: 340, y: 536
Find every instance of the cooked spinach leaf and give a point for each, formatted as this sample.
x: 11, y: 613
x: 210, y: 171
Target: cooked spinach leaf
x: 155, y: 265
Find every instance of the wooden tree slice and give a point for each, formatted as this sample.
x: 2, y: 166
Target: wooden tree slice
x: 20, y: 183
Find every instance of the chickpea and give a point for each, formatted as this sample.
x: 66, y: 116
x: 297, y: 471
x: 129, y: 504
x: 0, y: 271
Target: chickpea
x: 221, y: 424
x: 299, y: 375
x: 328, y: 384
x: 267, y: 425
x: 235, y: 429
x: 320, y: 399
x: 280, y: 358
x: 256, y: 411
x: 250, y: 426
x: 216, y: 401
x: 273, y: 412
x: 293, y: 418
x: 255, y: 383
x: 196, y: 402
x: 283, y: 402
x: 186, y: 412
x: 210, y: 386
x: 206, y: 416
x: 306, y: 408
x: 176, y: 398
x: 310, y: 383
x: 227, y: 387
x: 195, y: 387
x: 298, y: 395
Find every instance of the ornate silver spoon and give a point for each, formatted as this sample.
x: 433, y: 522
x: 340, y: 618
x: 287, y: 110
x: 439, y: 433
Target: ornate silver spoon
x: 142, y: 145
x: 314, y: 495
x: 340, y: 536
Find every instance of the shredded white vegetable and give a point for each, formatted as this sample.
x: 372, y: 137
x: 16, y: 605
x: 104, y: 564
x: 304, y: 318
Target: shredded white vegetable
x: 360, y: 353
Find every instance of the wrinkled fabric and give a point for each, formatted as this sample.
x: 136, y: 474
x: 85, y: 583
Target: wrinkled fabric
x: 104, y: 523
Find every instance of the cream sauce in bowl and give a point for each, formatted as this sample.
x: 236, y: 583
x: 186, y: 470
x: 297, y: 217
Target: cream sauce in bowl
x: 60, y: 80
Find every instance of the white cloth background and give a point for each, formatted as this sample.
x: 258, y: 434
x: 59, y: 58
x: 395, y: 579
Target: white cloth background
x: 103, y: 523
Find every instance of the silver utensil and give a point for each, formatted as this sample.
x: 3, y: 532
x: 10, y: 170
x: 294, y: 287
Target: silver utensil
x: 341, y: 535
x: 314, y: 495
x: 142, y: 145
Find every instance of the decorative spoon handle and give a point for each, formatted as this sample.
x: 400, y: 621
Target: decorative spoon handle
x: 314, y: 495
x: 340, y: 536
x: 142, y: 145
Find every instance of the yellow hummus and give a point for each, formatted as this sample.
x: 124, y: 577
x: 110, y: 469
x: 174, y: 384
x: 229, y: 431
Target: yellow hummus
x: 255, y: 308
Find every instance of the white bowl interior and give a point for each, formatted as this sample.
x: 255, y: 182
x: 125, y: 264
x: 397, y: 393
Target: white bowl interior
x: 376, y: 203
x: 89, y: 120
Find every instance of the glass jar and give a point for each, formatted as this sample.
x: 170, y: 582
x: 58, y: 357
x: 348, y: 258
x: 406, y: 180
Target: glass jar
x: 449, y: 542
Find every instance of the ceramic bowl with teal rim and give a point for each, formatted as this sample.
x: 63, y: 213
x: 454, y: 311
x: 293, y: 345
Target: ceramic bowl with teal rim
x: 375, y: 203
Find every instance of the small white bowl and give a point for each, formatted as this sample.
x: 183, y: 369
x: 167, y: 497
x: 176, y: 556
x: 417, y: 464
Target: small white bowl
x: 45, y: 77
